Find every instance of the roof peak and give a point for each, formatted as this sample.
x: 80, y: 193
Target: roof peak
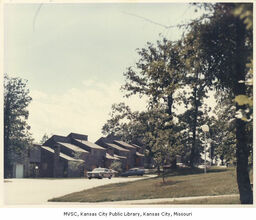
x: 78, y: 136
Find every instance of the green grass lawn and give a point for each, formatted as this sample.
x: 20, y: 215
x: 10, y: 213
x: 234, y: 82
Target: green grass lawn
x: 179, y: 183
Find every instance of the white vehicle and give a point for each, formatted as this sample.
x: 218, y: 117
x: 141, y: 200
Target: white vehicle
x: 100, y: 173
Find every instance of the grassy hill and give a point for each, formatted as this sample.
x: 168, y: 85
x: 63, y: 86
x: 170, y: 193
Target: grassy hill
x: 183, y: 182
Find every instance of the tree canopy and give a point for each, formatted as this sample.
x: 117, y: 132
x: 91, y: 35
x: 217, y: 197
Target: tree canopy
x: 16, y: 129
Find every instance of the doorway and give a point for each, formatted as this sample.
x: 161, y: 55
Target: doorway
x: 19, y: 171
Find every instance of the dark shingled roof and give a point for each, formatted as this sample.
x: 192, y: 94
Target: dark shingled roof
x: 124, y: 144
x: 90, y: 144
x: 78, y: 136
x: 56, y: 138
x: 62, y: 155
x: 135, y: 145
x: 117, y: 147
x: 72, y: 147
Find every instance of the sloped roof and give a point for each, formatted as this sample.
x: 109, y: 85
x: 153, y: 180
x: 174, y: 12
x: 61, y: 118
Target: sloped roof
x: 62, y: 155
x: 124, y: 144
x: 48, y: 149
x: 121, y: 157
x: 55, y: 138
x: 139, y: 154
x: 90, y: 144
x: 117, y: 147
x: 73, y: 147
x: 78, y: 136
x: 135, y: 145
x: 108, y: 156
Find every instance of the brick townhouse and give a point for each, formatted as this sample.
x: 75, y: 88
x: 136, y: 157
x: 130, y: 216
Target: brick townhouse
x: 73, y: 155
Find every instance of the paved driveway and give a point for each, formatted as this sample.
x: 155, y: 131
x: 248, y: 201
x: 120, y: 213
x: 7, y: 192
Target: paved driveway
x: 38, y: 191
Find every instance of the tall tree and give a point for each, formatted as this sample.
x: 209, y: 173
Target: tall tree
x: 222, y: 132
x: 226, y: 45
x: 157, y: 74
x: 162, y: 138
x: 123, y: 123
x: 196, y: 84
x: 16, y: 130
x: 153, y: 128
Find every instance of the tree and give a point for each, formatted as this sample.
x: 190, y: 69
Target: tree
x: 195, y: 87
x: 44, y: 138
x: 152, y: 127
x: 189, y: 123
x: 162, y: 138
x: 222, y: 132
x: 157, y: 74
x: 226, y: 45
x: 117, y: 166
x: 123, y: 123
x: 16, y: 130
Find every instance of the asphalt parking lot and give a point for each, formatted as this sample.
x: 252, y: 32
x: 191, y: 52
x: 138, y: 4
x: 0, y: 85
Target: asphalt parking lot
x: 38, y: 191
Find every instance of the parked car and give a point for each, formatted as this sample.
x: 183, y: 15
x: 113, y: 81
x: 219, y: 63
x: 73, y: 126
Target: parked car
x: 134, y: 172
x: 114, y: 172
x: 181, y: 165
x: 100, y: 173
x: 202, y: 166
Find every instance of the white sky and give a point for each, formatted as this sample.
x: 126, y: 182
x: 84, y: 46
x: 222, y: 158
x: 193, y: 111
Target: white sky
x: 74, y: 56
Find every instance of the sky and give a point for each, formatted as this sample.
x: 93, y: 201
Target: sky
x: 74, y: 57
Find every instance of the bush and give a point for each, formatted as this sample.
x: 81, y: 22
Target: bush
x: 117, y: 166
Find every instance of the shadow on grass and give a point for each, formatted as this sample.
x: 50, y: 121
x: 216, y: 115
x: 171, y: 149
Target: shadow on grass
x: 213, y: 170
x: 189, y: 171
x: 167, y: 183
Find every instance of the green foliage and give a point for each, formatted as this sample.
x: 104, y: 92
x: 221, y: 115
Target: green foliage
x: 123, y: 123
x: 153, y: 128
x: 157, y: 74
x: 226, y: 45
x: 222, y: 132
x: 44, y: 138
x: 192, y: 95
x: 16, y: 130
x: 244, y: 100
x: 245, y: 13
x: 162, y: 137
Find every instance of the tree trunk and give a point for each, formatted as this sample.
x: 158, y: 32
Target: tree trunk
x: 174, y: 163
x: 163, y: 176
x: 192, y: 154
x: 242, y: 149
x: 170, y: 103
x: 158, y: 170
x: 242, y: 154
x: 149, y: 158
